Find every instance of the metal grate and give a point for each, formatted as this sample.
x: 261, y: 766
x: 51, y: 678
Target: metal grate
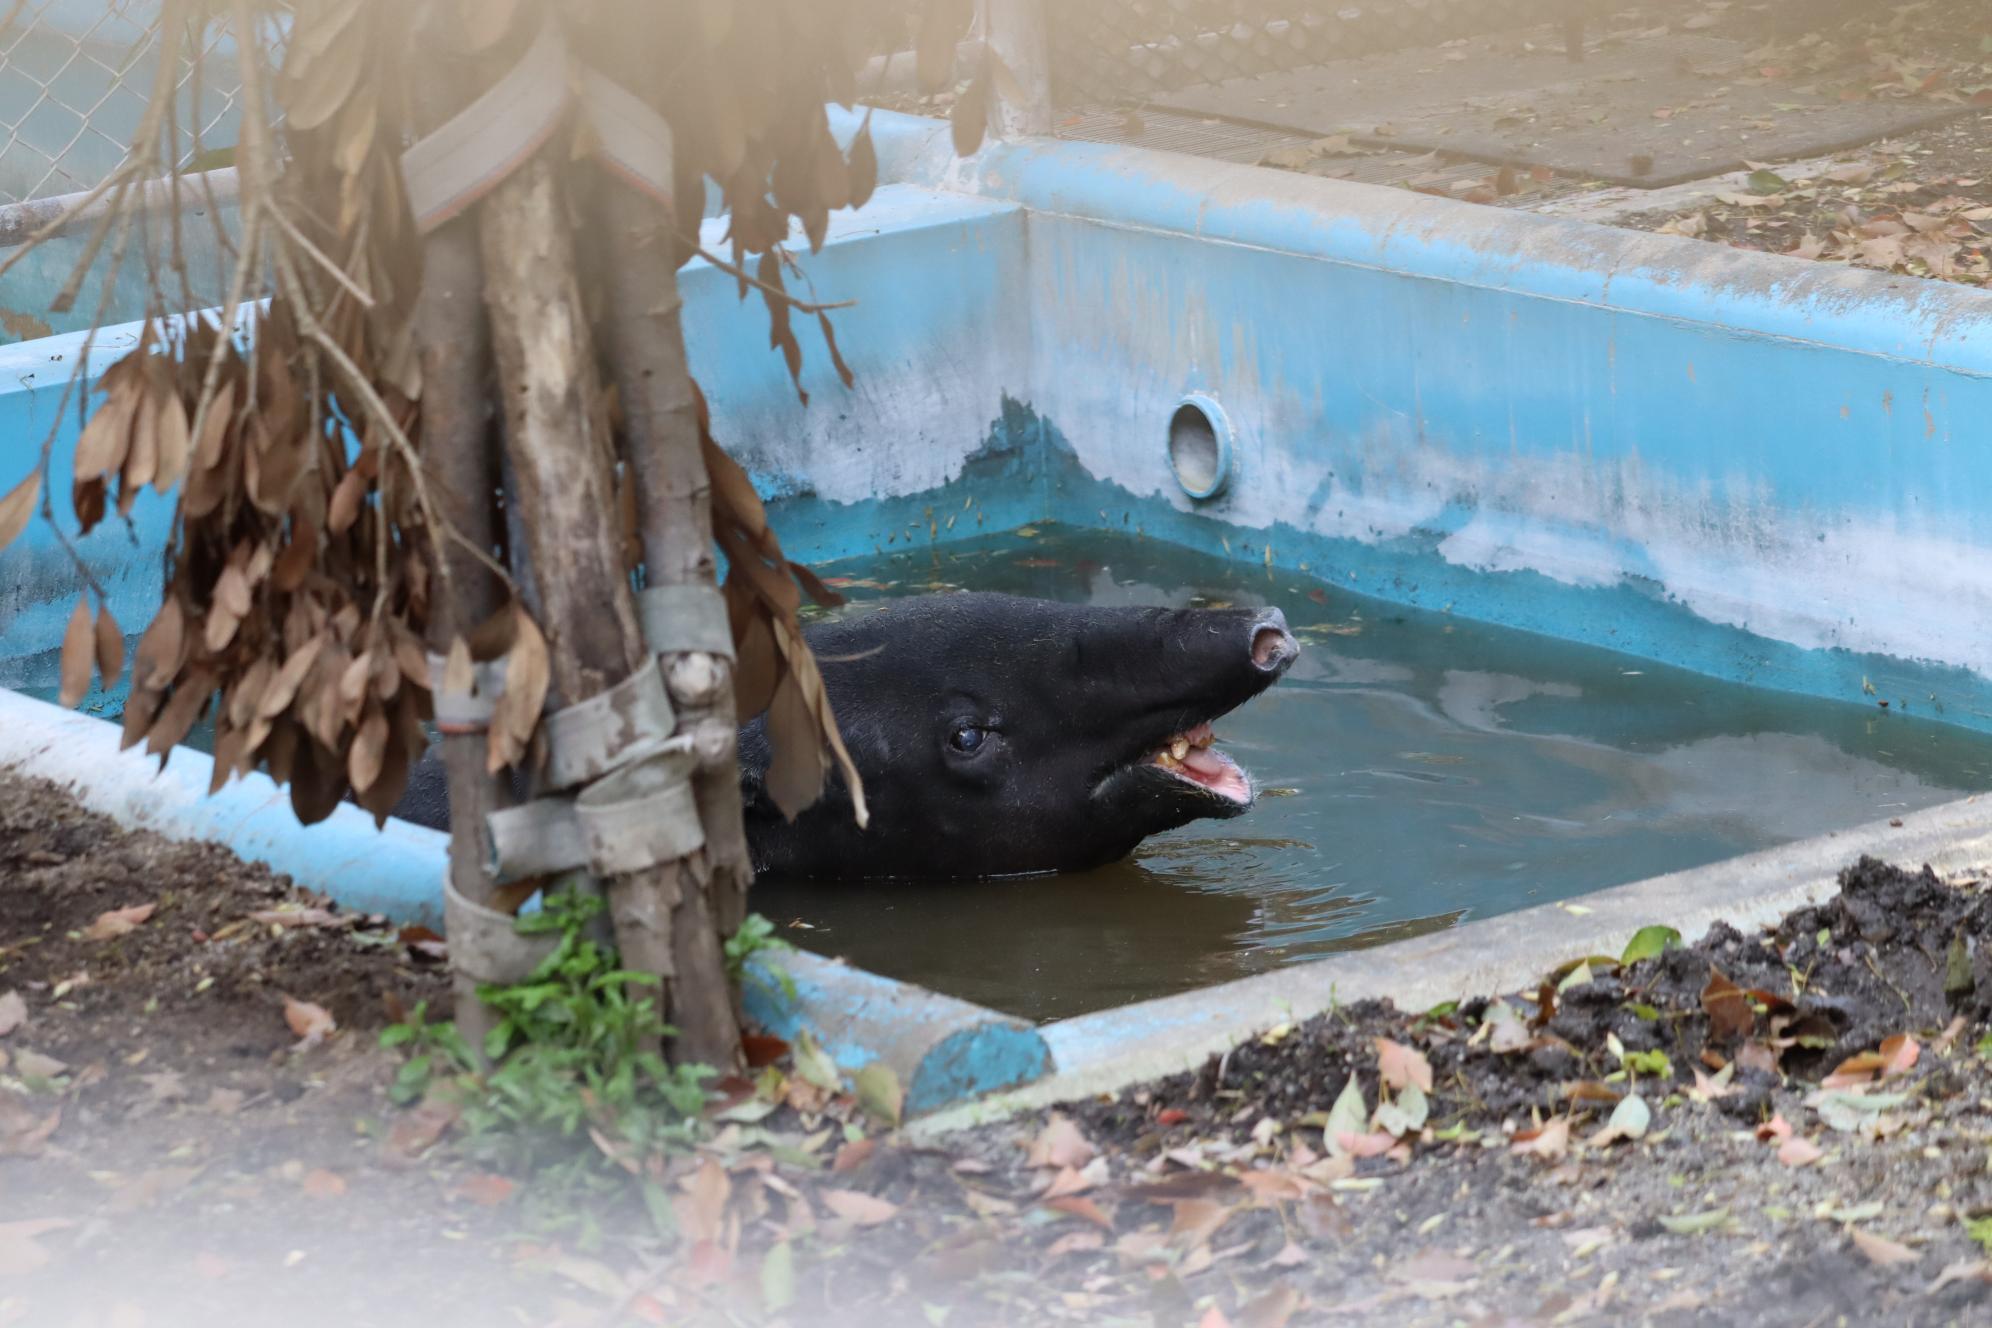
x: 1114, y: 52
x: 75, y: 77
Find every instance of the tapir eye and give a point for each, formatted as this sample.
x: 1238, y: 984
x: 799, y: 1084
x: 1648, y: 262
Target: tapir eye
x: 967, y: 739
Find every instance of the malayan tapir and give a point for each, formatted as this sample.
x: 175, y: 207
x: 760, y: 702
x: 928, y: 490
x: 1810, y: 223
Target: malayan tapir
x: 999, y: 735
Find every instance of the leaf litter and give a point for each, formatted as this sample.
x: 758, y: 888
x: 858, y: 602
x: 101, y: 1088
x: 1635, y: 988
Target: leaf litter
x: 1564, y: 1112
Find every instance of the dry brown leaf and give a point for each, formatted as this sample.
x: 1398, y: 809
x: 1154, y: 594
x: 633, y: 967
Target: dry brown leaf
x: 1059, y: 1144
x: 1069, y: 1180
x: 110, y: 646
x: 1079, y: 1206
x: 79, y: 654
x: 416, y: 1132
x: 1403, y: 1066
x: 214, y: 428
x: 369, y: 750
x: 118, y: 922
x: 1197, y: 1220
x: 313, y: 1023
x: 17, y: 506
x: 175, y: 447
x: 13, y: 1012
x: 1881, y: 1250
x: 1550, y: 1142
x: 516, y: 714
x: 1799, y: 1152
x: 1728, y: 1007
x: 161, y: 649
x: 860, y: 1209
x: 106, y: 438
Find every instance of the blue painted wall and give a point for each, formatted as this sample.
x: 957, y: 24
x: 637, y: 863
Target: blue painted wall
x: 1764, y: 469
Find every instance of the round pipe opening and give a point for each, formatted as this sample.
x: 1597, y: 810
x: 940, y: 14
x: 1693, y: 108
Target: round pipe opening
x: 1200, y: 446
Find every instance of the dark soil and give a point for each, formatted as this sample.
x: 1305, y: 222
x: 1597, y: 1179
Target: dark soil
x: 196, y: 1162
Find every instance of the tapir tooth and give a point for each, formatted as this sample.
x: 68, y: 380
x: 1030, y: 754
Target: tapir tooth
x: 1179, y: 748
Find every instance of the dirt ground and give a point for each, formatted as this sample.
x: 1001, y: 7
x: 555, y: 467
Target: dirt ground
x: 182, y: 1140
x: 1919, y: 206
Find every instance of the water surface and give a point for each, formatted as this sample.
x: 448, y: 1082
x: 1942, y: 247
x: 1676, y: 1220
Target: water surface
x: 1419, y: 770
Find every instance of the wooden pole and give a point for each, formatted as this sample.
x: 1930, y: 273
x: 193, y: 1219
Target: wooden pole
x: 563, y: 487
x: 462, y: 466
x: 674, y: 506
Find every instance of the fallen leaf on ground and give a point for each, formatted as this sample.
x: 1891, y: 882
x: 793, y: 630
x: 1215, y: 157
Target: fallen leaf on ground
x: 118, y: 922
x: 1079, y: 1206
x: 1964, y: 1270
x: 417, y: 1131
x: 879, y: 1092
x: 1197, y: 1220
x: 1777, y: 1127
x: 1709, y: 1088
x: 1069, y: 1180
x: 1346, y: 1119
x: 34, y: 1065
x: 1075, y: 1242
x: 1060, y: 1144
x: 1799, y: 1152
x: 1899, y: 1054
x: 1507, y: 1030
x: 1552, y: 1141
x: 1728, y: 1008
x: 1694, y: 1224
x: 1435, y: 1275
x: 1881, y: 1250
x: 1403, y: 1066
x: 13, y: 1012
x: 1629, y: 1120
x: 297, y: 917
x: 865, y: 1210
x: 853, y: 1154
x: 701, y: 1209
x: 1272, y: 1186
x: 310, y: 1022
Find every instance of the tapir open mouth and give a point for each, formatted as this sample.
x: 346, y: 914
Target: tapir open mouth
x: 1183, y: 766
x: 1190, y: 756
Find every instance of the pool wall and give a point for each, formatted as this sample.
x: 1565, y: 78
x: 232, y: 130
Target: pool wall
x: 1764, y: 469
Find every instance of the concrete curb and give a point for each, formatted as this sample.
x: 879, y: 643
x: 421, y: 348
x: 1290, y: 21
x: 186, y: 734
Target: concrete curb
x: 1104, y: 1052
x: 943, y: 1050
x: 397, y: 871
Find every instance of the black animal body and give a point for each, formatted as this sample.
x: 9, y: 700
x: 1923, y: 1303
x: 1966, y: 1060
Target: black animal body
x: 999, y: 735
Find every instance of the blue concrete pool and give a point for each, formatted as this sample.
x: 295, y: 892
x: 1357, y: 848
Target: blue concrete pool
x: 1721, y: 467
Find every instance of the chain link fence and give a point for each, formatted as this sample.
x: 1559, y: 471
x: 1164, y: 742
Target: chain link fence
x: 75, y: 77
x: 1120, y: 51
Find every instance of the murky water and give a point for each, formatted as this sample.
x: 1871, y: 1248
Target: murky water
x: 1419, y: 770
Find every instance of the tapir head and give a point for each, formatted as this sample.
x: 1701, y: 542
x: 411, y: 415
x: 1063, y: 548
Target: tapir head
x: 998, y: 735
